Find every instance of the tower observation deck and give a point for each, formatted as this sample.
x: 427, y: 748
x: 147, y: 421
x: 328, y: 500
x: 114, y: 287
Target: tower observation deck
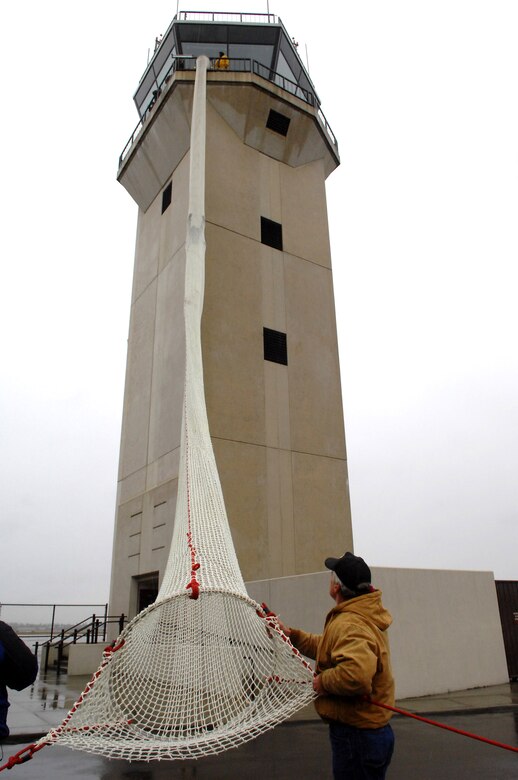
x: 255, y: 44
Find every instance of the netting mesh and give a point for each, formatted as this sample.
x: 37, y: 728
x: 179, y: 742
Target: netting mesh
x: 202, y: 669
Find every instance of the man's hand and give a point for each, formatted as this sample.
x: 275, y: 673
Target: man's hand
x: 317, y: 685
x: 284, y: 628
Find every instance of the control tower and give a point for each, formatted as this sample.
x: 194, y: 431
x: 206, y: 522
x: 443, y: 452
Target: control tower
x: 270, y: 356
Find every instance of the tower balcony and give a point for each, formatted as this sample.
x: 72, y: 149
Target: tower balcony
x: 266, y: 97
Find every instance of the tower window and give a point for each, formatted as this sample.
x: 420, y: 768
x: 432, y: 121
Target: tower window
x: 271, y: 233
x: 166, y: 196
x: 275, y: 346
x: 278, y: 122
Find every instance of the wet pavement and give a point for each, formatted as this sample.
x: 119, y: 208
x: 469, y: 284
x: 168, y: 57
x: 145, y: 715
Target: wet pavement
x: 292, y: 750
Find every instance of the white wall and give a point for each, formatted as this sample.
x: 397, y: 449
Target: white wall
x: 84, y: 659
x: 446, y: 634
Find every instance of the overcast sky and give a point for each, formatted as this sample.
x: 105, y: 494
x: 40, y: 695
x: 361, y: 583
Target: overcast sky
x: 422, y: 212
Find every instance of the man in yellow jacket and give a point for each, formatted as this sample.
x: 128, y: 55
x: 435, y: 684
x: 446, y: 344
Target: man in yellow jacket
x: 353, y: 665
x: 223, y: 62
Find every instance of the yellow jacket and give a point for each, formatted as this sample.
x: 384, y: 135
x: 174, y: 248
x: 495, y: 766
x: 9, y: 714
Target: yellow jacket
x: 223, y: 62
x: 353, y: 657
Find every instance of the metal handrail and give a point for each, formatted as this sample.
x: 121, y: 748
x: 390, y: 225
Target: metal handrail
x: 89, y: 628
x: 226, y: 16
x: 93, y: 629
x: 239, y: 65
x: 327, y: 126
x: 53, y: 618
x: 281, y: 81
x: 77, y: 631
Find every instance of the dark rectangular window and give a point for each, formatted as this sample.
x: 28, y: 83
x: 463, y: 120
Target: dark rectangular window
x: 278, y: 122
x: 166, y: 196
x: 271, y: 233
x: 275, y: 346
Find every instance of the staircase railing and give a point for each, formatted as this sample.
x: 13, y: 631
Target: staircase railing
x: 91, y: 630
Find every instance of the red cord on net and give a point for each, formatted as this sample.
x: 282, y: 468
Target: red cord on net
x: 272, y: 621
x: 23, y: 755
x: 26, y: 753
x: 193, y: 584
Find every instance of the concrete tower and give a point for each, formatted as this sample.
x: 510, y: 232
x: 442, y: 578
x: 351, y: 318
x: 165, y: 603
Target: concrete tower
x: 270, y: 354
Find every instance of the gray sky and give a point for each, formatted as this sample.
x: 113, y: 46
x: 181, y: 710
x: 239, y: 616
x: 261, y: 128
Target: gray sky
x: 422, y: 211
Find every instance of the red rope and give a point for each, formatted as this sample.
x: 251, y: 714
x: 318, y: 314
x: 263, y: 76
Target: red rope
x: 443, y: 726
x: 269, y: 614
x: 20, y: 757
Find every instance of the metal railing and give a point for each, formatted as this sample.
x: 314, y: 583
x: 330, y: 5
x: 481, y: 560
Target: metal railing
x: 91, y: 631
x: 227, y: 16
x: 51, y: 620
x: 46, y: 633
x: 281, y: 81
x: 236, y: 65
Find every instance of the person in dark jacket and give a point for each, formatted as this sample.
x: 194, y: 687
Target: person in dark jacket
x: 352, y: 666
x: 18, y: 669
x: 4, y: 702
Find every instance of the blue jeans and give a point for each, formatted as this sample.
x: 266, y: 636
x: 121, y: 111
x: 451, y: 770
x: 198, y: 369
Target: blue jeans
x: 360, y: 754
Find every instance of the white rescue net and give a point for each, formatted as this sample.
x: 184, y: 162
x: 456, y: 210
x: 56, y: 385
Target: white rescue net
x: 204, y: 668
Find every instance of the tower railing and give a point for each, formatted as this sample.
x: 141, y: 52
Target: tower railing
x: 236, y: 65
x: 227, y: 16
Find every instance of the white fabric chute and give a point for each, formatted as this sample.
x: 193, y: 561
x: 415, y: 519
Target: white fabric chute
x: 203, y: 669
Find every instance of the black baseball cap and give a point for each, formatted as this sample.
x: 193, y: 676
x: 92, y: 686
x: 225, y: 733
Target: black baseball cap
x: 350, y: 570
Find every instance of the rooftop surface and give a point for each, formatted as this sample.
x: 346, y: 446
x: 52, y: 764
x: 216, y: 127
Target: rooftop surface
x: 292, y: 750
x: 44, y: 705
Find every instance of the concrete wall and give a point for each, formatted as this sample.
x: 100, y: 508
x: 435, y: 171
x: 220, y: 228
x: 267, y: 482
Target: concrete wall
x: 446, y: 634
x: 84, y: 659
x: 277, y: 430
